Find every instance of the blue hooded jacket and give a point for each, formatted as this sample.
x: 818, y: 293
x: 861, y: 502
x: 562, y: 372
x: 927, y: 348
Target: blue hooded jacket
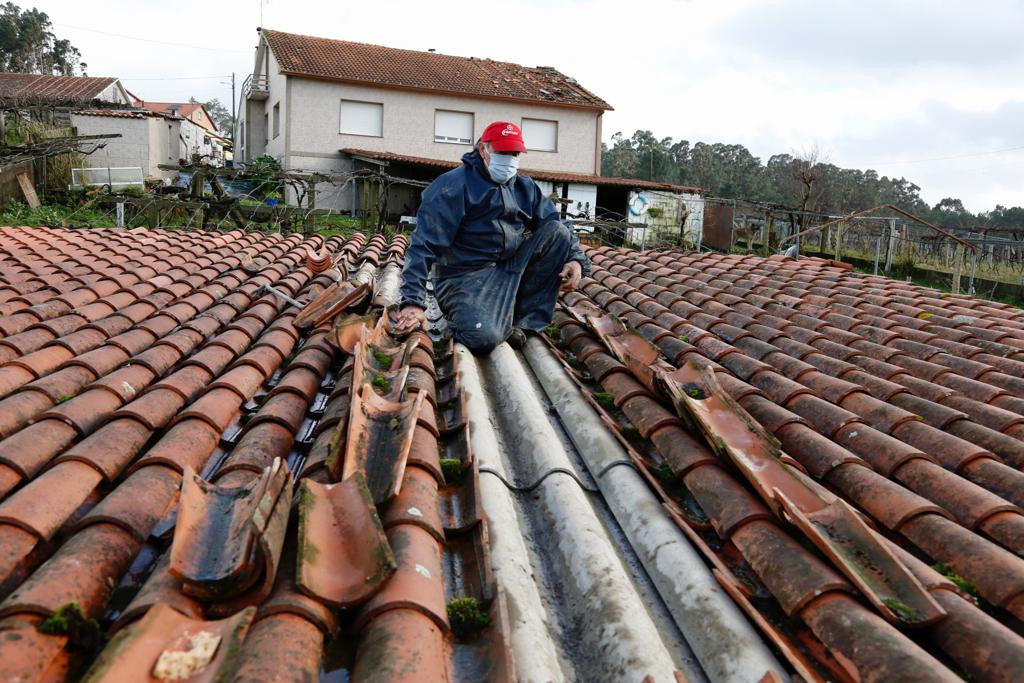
x: 467, y: 221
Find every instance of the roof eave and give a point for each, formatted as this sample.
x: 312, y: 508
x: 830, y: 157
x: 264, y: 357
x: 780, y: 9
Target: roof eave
x: 385, y: 158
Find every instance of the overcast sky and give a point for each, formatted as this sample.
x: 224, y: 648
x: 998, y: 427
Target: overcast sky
x: 930, y: 90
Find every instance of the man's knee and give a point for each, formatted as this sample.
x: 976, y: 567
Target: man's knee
x: 554, y: 234
x: 482, y: 340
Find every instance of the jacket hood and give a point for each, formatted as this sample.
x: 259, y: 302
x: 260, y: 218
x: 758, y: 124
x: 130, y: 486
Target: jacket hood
x: 473, y: 159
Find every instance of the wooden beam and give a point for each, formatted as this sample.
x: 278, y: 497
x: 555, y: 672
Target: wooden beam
x: 28, y: 189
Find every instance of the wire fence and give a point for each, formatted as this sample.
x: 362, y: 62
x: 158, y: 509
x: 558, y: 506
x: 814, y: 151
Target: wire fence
x: 980, y: 261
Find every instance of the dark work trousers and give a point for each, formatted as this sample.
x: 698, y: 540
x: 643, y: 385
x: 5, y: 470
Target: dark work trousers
x: 483, y: 305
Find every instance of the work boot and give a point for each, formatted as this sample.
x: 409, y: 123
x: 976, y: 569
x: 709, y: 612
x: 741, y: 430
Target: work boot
x: 517, y: 338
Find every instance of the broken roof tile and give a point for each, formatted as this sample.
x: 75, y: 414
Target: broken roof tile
x: 838, y: 365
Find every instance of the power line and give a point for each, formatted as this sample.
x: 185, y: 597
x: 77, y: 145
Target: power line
x: 149, y: 40
x: 174, y: 78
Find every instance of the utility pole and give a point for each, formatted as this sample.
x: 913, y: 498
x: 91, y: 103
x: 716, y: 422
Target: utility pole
x: 234, y: 115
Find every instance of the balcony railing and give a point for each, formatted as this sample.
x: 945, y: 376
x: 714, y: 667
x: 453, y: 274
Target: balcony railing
x: 256, y: 87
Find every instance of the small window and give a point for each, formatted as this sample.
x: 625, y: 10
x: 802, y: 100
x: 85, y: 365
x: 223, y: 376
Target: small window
x: 362, y: 118
x: 266, y: 128
x: 453, y: 126
x: 241, y: 133
x: 277, y: 119
x: 540, y: 135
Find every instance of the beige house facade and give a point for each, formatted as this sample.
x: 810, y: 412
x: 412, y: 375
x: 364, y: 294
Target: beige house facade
x: 148, y: 140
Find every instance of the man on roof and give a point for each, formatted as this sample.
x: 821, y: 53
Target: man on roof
x: 498, y: 250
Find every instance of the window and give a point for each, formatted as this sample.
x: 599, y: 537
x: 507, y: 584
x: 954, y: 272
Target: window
x: 453, y: 126
x: 540, y: 135
x: 277, y: 119
x: 362, y: 118
x: 241, y: 133
x: 266, y: 128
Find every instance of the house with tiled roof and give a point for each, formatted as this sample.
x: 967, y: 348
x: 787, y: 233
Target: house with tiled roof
x: 45, y: 89
x: 193, y: 111
x: 149, y: 139
x: 333, y: 106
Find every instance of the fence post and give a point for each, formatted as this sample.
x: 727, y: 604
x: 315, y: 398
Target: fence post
x: 310, y: 206
x: 891, y: 246
x: 958, y: 266
x: 974, y: 269
x: 120, y: 214
x: 878, y: 249
x: 840, y: 235
x: 366, y: 203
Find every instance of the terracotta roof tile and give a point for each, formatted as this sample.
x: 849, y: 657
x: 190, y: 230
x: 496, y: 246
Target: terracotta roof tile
x: 98, y: 430
x: 166, y: 393
x: 902, y: 428
x: 53, y: 89
x: 339, y: 60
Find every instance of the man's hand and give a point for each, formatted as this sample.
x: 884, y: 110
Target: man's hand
x: 409, y: 319
x: 572, y: 272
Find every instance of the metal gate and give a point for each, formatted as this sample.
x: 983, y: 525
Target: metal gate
x: 718, y: 226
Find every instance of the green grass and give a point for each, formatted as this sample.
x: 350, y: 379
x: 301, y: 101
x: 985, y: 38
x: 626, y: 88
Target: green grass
x: 902, y: 610
x: 961, y: 583
x: 70, y: 209
x: 452, y: 469
x: 382, y: 384
x: 384, y: 359
x: 466, y: 618
x: 69, y: 620
x: 53, y: 215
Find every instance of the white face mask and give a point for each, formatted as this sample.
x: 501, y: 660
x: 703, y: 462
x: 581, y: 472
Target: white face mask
x: 502, y: 167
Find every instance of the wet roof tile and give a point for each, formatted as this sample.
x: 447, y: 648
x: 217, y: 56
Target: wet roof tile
x: 882, y: 392
x: 918, y: 392
x: 127, y: 388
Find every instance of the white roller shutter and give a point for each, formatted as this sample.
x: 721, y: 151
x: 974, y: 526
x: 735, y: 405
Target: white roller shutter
x: 362, y: 118
x: 453, y: 126
x: 540, y: 135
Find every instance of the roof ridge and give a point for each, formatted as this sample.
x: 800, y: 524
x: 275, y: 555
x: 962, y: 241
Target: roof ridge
x: 376, y: 45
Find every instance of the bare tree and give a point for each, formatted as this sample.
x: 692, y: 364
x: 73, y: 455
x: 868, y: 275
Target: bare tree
x: 808, y: 169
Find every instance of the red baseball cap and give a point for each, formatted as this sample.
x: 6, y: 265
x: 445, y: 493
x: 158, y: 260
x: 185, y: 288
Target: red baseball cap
x: 504, y: 136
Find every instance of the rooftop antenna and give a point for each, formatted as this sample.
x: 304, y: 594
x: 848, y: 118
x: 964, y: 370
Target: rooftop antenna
x: 431, y: 49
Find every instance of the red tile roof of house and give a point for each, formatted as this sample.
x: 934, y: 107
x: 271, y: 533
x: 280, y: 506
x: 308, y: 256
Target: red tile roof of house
x: 126, y: 113
x: 341, y: 60
x: 133, y: 360
x: 179, y: 108
x: 182, y: 109
x: 550, y: 176
x: 57, y: 89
